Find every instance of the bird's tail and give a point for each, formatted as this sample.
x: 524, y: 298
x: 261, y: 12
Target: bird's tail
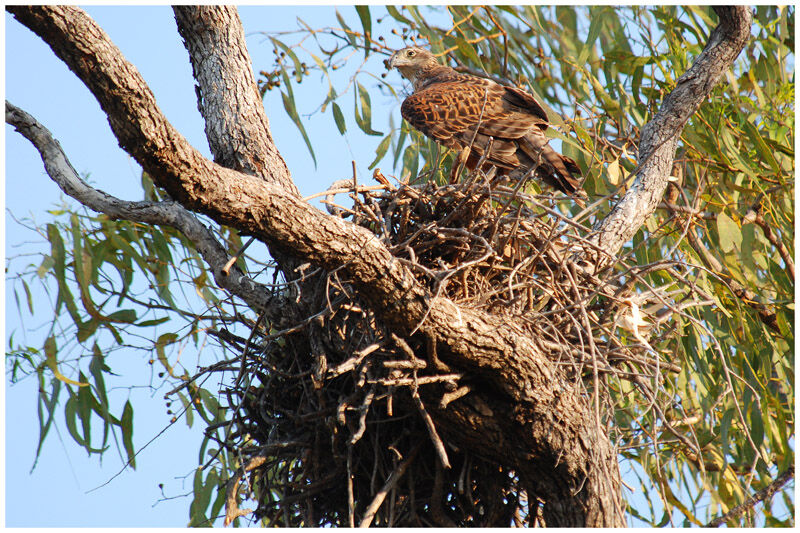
x: 558, y: 171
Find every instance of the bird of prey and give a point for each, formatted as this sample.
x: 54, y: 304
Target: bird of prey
x: 471, y: 114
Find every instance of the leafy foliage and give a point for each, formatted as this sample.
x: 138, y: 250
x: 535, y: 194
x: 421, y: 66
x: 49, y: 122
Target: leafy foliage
x: 726, y: 226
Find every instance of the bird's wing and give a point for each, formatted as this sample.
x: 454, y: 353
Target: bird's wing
x: 442, y: 110
x: 525, y: 101
x: 451, y: 111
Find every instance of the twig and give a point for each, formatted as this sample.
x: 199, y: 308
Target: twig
x: 354, y: 361
x: 232, y: 511
x: 350, y: 500
x: 227, y: 268
x: 331, y: 192
x: 449, y: 397
x: 437, y: 442
x: 436, y: 499
x: 424, y: 380
x: 246, y: 347
x: 394, y: 477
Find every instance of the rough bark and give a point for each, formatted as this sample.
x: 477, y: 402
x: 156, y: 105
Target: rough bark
x: 237, y: 127
x: 549, y: 431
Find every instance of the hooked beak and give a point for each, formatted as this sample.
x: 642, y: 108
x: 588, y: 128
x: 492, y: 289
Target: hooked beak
x: 390, y: 62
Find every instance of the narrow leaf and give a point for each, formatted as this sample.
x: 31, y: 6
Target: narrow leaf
x: 366, y: 23
x: 338, y: 117
x: 762, y: 148
x: 364, y: 119
x: 288, y: 105
x: 381, y: 151
x: 48, y: 404
x: 50, y: 350
x: 298, y: 66
x: 127, y: 433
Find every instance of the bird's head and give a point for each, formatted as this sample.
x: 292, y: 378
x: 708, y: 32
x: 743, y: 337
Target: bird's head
x: 410, y: 61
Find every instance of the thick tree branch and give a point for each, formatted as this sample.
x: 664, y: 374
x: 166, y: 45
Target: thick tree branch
x: 237, y: 127
x: 163, y: 213
x: 660, y: 135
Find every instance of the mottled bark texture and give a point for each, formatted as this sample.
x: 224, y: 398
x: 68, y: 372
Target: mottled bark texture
x: 237, y: 127
x: 545, y: 430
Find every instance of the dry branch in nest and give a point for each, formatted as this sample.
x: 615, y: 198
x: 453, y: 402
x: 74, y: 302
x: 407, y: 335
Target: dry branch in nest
x: 332, y: 413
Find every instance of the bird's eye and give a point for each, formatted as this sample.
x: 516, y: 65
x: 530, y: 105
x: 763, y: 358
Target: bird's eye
x: 410, y: 53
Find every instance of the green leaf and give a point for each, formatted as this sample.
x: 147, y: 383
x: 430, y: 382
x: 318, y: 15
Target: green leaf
x: 730, y: 236
x: 298, y: 66
x: 70, y: 417
x: 127, y: 433
x: 87, y: 329
x: 756, y: 426
x: 154, y: 322
x: 398, y: 149
x: 594, y: 32
x: 45, y: 266
x: 126, y: 316
x: 28, y: 296
x: 319, y: 62
x: 468, y: 51
x: 366, y: 23
x: 411, y: 161
x: 339, y: 118
x: 58, y: 253
x: 85, y: 408
x: 202, y: 497
x: 288, y: 105
x: 201, y: 456
x: 161, y: 343
x: 215, y: 413
x: 396, y: 14
x: 725, y: 433
x: 188, y: 409
x: 46, y: 404
x: 219, y: 501
x: 51, y: 350
x: 761, y: 147
x: 160, y: 246
x: 96, y: 368
x: 381, y: 151
x: 349, y: 34
x: 364, y: 118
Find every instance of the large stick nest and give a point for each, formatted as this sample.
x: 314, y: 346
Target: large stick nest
x: 331, y: 424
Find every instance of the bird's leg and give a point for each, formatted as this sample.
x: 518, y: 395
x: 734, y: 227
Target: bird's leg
x: 458, y: 164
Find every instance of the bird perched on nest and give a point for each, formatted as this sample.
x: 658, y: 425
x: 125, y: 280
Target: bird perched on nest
x: 469, y: 114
